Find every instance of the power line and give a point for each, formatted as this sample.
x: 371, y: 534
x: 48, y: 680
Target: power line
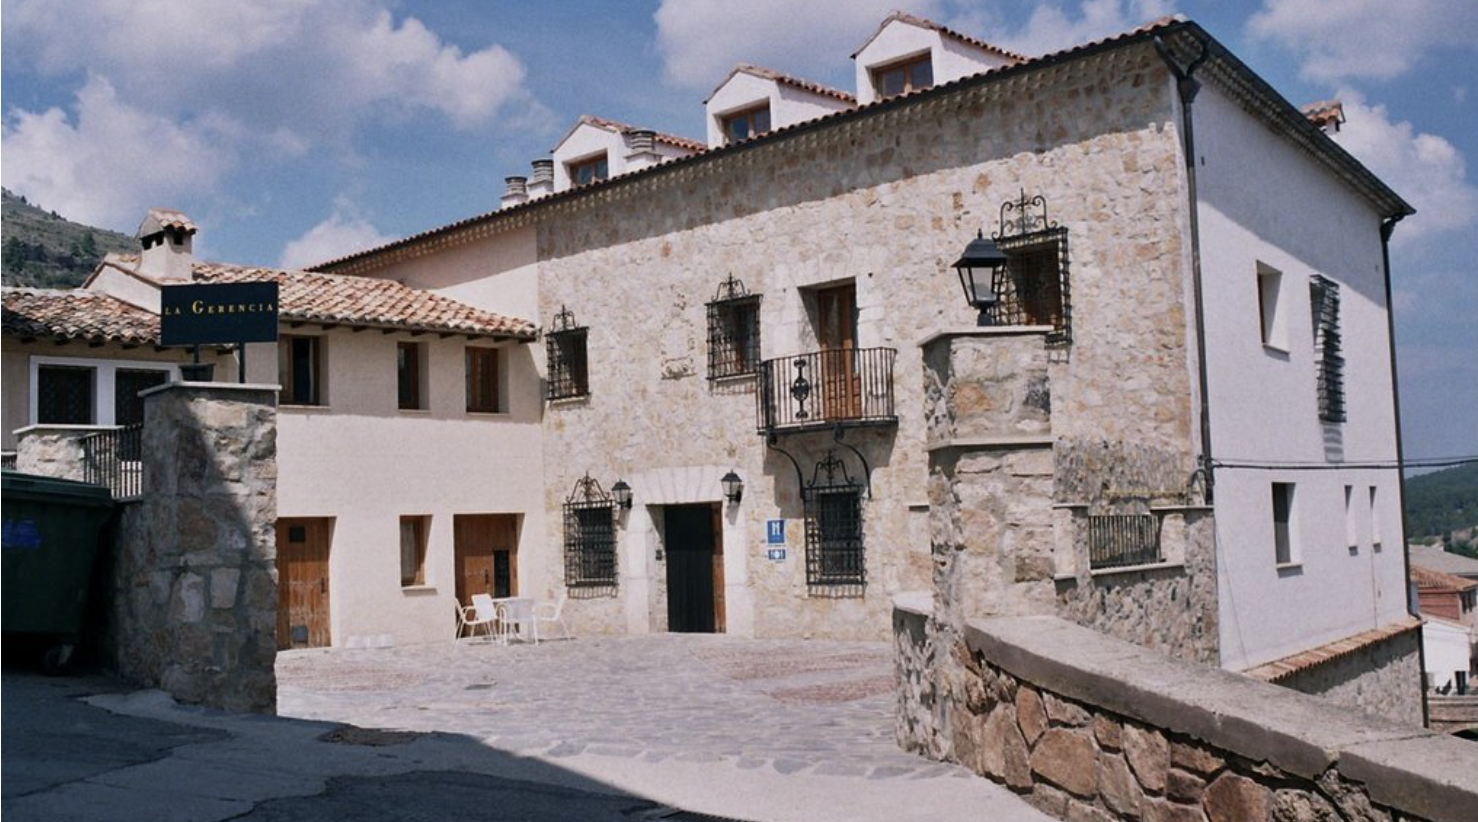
x: 1426, y: 462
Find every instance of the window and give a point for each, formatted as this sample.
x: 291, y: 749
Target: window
x: 1352, y: 540
x: 64, y: 395
x: 1329, y: 366
x: 1374, y: 521
x: 409, y: 371
x: 590, y: 537
x: 482, y: 381
x: 413, y: 531
x: 904, y: 76
x: 733, y: 331
x: 746, y: 124
x: 1269, y: 286
x: 1032, y: 288
x: 300, y: 369
x: 569, y: 375
x: 834, y: 549
x: 1284, y: 534
x: 591, y: 170
x: 1117, y: 540
x: 128, y: 406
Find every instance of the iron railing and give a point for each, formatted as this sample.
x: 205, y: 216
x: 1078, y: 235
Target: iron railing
x: 1116, y: 540
x: 590, y: 539
x: 114, y: 458
x: 825, y: 389
x: 7, y: 461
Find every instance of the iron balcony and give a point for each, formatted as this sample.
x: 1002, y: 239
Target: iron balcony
x: 836, y: 388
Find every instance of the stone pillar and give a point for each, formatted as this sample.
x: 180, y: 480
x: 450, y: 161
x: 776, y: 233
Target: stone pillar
x: 195, y: 608
x: 53, y: 450
x: 987, y: 405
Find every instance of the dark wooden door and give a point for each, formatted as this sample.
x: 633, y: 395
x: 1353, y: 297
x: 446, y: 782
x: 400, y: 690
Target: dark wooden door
x: 836, y: 332
x: 689, y: 534
x: 485, y: 547
x: 302, y: 582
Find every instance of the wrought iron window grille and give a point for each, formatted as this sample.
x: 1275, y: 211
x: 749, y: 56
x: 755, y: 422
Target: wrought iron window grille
x: 1329, y: 364
x: 569, y: 369
x: 590, y: 537
x: 1033, y: 287
x: 733, y: 331
x: 1119, y: 540
x: 835, y: 556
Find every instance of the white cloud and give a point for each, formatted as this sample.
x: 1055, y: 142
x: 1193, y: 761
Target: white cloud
x: 111, y: 161
x: 1050, y: 28
x: 700, y: 40
x: 1425, y: 169
x: 342, y: 233
x: 1374, y: 39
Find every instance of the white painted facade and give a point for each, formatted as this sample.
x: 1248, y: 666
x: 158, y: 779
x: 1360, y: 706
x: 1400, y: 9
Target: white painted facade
x: 1266, y: 205
x: 1448, y: 649
x: 746, y: 89
x: 900, y: 39
x: 591, y: 139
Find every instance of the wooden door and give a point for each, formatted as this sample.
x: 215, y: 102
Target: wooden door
x: 302, y: 582
x: 688, y: 533
x: 485, y: 547
x: 836, y: 332
x: 720, y: 621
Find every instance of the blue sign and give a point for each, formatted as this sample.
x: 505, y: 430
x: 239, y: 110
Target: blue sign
x: 776, y: 554
x: 775, y: 532
x: 21, y: 535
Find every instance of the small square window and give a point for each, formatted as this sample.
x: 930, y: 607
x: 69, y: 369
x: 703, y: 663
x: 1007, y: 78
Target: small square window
x: 413, y: 532
x: 64, y: 395
x: 590, y: 170
x: 1033, y: 287
x: 300, y: 369
x: 746, y: 124
x: 1285, y: 535
x: 483, y: 392
x: 912, y: 74
x: 410, y: 375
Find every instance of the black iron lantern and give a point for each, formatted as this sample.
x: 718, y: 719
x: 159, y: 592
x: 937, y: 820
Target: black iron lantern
x: 621, y: 493
x: 977, y: 268
x: 733, y: 487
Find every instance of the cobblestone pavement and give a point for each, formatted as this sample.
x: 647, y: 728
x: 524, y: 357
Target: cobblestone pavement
x: 789, y: 706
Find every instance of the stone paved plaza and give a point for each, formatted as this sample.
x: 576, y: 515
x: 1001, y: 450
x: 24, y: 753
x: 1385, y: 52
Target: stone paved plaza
x: 789, y: 706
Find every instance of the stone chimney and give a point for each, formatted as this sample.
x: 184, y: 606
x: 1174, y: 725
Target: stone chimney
x: 166, y: 237
x: 517, y: 193
x: 542, y: 182
x: 641, y: 145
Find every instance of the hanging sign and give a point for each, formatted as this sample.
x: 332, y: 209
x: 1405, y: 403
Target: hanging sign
x: 220, y: 313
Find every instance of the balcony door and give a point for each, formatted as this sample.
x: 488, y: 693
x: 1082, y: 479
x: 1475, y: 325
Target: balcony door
x: 836, y: 333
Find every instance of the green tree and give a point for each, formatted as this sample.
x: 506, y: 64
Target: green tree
x: 14, y: 255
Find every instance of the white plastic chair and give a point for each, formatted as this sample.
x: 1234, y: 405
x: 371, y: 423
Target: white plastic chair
x: 516, y: 619
x: 477, y: 615
x: 546, y: 612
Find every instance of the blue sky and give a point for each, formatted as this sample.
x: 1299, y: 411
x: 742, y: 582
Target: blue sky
x: 297, y: 130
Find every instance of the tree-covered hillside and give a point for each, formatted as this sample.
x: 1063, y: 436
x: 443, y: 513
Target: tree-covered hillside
x: 42, y: 248
x: 1443, y: 502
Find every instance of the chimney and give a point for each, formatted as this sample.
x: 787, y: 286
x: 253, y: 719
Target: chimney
x: 641, y: 147
x: 167, y: 239
x: 517, y: 193
x: 542, y: 182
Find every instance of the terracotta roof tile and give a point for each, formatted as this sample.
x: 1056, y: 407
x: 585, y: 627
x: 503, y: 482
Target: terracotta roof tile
x: 159, y: 219
x: 1325, y: 113
x: 1280, y: 669
x: 786, y: 79
x: 76, y: 315
x: 625, y: 128
x: 338, y: 298
x: 1431, y: 578
x: 947, y: 32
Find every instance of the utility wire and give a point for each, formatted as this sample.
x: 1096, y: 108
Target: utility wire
x: 1426, y: 462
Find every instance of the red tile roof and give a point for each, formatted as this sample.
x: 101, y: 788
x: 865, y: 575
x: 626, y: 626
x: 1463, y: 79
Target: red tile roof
x: 1280, y: 669
x: 947, y: 32
x: 625, y: 128
x: 786, y: 79
x: 1433, y: 579
x: 1325, y: 113
x: 159, y: 219
x: 337, y: 298
x: 90, y: 316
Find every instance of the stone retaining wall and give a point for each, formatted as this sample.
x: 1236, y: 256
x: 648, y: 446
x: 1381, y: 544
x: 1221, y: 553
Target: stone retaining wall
x: 53, y: 450
x: 1093, y: 728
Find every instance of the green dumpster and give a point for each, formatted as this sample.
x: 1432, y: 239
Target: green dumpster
x: 48, y: 543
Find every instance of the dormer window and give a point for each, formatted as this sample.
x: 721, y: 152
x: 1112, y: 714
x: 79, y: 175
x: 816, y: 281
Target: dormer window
x: 745, y: 124
x: 589, y: 170
x: 912, y: 74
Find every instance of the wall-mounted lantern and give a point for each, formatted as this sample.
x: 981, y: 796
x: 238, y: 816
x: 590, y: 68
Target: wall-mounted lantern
x: 977, y: 268
x: 733, y: 487
x: 621, y: 493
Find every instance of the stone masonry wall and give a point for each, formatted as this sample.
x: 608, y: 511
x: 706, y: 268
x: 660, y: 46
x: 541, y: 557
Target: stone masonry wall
x: 52, y: 450
x: 1091, y: 728
x: 195, y: 584
x: 886, y: 202
x: 1383, y: 678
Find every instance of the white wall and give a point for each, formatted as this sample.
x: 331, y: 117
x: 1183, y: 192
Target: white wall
x: 788, y: 105
x: 583, y: 143
x: 1263, y: 201
x: 950, y: 58
x: 1448, y: 648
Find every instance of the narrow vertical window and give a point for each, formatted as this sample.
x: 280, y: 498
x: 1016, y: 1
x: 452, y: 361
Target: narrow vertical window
x: 482, y: 381
x: 1284, y: 535
x: 413, y: 550
x: 1329, y: 364
x: 1269, y: 286
x: 299, y: 366
x: 1352, y: 540
x: 1374, y: 520
x: 733, y: 331
x: 408, y: 375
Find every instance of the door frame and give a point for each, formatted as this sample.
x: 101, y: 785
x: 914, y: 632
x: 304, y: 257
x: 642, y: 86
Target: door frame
x: 322, y: 528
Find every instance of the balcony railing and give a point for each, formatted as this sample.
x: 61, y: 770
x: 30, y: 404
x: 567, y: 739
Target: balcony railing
x: 826, y: 389
x: 1118, y: 540
x: 7, y: 460
x: 115, y: 459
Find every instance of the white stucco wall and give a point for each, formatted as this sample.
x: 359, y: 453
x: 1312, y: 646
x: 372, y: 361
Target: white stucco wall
x: 788, y: 105
x: 584, y: 142
x: 365, y: 463
x: 1264, y: 202
x: 950, y: 58
x: 1448, y: 648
